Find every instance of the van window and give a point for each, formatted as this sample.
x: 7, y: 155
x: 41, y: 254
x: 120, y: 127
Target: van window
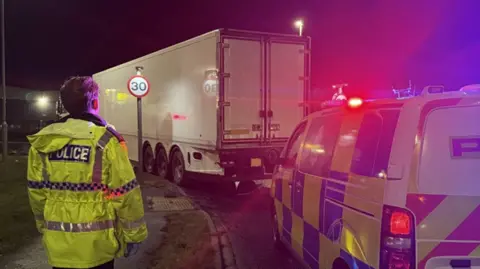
x: 390, y: 120
x: 374, y: 142
x: 320, y: 144
x: 450, y: 156
x: 294, y: 144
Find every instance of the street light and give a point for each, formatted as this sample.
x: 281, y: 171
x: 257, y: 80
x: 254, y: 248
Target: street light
x: 299, y: 26
x: 42, y: 102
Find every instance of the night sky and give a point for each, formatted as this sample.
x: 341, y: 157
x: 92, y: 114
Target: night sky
x: 370, y: 44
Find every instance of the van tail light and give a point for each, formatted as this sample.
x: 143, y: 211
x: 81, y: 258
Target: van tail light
x: 400, y: 223
x: 397, y: 239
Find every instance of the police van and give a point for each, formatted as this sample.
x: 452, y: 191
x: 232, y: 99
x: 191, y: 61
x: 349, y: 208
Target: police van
x: 383, y: 184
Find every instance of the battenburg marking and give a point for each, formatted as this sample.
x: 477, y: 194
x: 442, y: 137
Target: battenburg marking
x: 465, y: 147
x: 72, y: 153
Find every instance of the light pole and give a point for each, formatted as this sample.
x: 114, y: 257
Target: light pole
x: 4, y: 90
x: 299, y: 26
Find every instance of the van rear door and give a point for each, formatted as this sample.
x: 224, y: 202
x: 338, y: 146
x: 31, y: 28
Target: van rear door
x: 288, y: 86
x: 447, y: 203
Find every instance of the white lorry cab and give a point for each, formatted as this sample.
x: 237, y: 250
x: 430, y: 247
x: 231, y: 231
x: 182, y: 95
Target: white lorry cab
x: 221, y: 104
x: 383, y: 184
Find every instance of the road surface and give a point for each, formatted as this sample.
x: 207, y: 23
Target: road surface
x: 248, y: 222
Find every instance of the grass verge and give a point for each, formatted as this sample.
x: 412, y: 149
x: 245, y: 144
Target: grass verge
x: 17, y: 226
x: 186, y: 243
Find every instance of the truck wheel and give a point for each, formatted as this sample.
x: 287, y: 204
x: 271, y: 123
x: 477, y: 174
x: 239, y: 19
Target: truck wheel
x: 161, y: 163
x: 148, y: 160
x: 178, y: 168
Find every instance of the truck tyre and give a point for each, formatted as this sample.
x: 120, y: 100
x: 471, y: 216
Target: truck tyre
x: 148, y: 160
x: 161, y: 161
x: 178, y: 168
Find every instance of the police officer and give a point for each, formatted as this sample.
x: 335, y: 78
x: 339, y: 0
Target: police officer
x: 82, y: 188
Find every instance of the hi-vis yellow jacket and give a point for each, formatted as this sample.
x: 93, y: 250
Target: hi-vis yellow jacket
x: 83, y: 193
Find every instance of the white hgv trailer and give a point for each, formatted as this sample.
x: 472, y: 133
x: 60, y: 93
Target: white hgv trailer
x: 222, y: 104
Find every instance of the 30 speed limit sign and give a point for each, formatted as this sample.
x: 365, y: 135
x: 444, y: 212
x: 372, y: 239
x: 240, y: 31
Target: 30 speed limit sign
x: 138, y: 86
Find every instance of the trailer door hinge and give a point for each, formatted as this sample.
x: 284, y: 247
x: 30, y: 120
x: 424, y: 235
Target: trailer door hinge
x: 303, y: 78
x: 304, y: 51
x: 224, y: 103
x: 224, y: 75
x: 264, y: 114
x: 256, y: 127
x: 275, y: 127
x: 225, y: 45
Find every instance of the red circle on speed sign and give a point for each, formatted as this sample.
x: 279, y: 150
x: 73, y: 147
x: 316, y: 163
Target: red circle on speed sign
x: 138, y: 86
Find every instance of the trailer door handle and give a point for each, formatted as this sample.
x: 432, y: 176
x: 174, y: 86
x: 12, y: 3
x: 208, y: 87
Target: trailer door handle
x: 270, y: 114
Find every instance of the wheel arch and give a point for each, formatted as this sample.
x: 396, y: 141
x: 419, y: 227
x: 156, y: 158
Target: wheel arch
x: 172, y: 151
x: 340, y: 263
x: 160, y: 146
x: 145, y: 145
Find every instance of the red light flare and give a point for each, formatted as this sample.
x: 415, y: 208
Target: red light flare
x: 179, y: 117
x: 355, y: 102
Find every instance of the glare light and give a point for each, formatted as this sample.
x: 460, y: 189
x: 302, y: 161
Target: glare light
x: 299, y: 23
x: 43, y: 101
x: 355, y: 102
x: 299, y: 26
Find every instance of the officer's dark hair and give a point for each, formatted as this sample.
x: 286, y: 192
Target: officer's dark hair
x: 78, y: 94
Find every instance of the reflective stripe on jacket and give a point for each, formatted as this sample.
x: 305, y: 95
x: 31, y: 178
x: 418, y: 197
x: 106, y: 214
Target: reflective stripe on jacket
x: 83, y: 192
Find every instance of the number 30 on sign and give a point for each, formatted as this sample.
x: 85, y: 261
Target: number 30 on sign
x: 138, y: 86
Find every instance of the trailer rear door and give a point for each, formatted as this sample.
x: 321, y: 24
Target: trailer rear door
x: 287, y: 82
x: 243, y: 79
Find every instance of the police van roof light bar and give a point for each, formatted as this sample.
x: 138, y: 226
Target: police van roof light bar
x: 404, y: 93
x: 353, y: 102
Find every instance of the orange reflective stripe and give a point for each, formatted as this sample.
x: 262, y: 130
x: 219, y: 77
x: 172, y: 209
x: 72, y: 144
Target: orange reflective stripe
x: 124, y: 145
x: 112, y: 193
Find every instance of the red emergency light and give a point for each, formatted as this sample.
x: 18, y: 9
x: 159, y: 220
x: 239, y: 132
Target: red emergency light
x: 355, y: 102
x: 352, y: 103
